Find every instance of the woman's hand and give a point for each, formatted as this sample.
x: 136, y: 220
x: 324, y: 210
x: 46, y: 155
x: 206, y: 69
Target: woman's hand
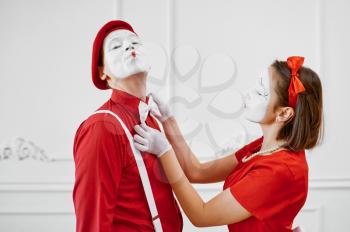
x: 150, y: 140
x: 221, y: 210
x: 164, y: 109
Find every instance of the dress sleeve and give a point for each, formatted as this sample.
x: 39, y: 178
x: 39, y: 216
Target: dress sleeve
x: 264, y: 191
x: 240, y: 154
x: 98, y: 168
x: 246, y: 149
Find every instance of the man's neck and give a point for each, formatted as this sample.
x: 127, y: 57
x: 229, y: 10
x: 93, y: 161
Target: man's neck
x: 134, y: 85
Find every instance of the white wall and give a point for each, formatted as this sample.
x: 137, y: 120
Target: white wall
x: 203, y: 53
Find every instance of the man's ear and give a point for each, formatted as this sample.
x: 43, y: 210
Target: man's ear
x: 285, y: 114
x: 101, y: 73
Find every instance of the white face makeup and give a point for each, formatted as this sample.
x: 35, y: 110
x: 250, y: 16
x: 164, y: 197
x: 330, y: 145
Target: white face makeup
x: 257, y: 98
x: 123, y: 55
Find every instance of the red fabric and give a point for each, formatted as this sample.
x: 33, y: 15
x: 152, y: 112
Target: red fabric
x: 97, y: 47
x: 108, y: 194
x: 272, y: 188
x: 295, y: 86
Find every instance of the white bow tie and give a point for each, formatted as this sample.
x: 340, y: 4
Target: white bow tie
x: 145, y: 108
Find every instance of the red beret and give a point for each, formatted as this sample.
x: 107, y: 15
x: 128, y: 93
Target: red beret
x: 97, y: 48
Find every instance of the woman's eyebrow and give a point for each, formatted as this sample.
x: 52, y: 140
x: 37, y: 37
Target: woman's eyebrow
x: 262, y: 85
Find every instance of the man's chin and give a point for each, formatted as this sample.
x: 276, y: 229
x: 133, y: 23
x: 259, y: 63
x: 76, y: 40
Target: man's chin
x: 139, y: 74
x: 137, y: 70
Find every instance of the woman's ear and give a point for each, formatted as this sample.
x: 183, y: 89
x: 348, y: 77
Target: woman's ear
x: 284, y: 114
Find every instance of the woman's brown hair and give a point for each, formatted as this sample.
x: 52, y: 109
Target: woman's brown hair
x: 305, y: 129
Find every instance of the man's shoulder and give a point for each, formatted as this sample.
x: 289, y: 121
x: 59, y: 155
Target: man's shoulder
x: 103, y: 120
x: 100, y: 116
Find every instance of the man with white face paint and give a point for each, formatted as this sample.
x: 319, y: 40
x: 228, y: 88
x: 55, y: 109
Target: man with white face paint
x: 112, y: 191
x: 123, y: 56
x: 257, y: 99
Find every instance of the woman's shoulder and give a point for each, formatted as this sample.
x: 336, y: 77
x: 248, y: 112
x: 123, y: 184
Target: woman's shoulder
x: 296, y: 161
x: 293, y: 162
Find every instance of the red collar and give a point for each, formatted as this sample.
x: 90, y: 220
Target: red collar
x: 126, y: 99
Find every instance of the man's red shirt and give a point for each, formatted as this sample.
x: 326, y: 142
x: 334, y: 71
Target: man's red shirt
x: 108, y: 194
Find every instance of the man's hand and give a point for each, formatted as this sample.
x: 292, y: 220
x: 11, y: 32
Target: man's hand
x: 164, y: 109
x: 150, y: 140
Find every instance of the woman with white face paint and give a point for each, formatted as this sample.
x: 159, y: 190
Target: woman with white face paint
x: 266, y: 181
x: 257, y: 98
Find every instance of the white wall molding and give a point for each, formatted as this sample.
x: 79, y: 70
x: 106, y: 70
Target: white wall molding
x: 67, y: 186
x: 36, y: 213
x: 330, y: 183
x: 21, y: 150
x: 319, y: 35
x: 335, y: 183
x: 170, y: 45
x: 117, y: 9
x: 317, y: 225
x: 24, y: 187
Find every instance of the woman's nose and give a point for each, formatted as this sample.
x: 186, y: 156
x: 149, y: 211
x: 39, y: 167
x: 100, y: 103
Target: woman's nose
x: 247, y: 96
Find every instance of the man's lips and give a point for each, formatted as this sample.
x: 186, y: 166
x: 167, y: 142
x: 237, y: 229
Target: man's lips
x: 132, y: 56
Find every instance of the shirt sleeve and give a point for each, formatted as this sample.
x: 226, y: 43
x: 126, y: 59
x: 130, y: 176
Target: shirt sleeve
x: 98, y: 166
x: 264, y: 191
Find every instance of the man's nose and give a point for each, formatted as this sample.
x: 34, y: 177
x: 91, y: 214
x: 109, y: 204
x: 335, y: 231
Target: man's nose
x: 128, y: 46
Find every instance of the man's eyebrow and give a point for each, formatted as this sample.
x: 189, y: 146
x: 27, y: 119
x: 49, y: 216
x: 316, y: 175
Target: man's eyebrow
x: 132, y: 35
x: 115, y: 39
x: 118, y: 39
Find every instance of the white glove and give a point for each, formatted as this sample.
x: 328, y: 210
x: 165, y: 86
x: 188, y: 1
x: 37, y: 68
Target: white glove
x: 164, y: 109
x: 150, y: 140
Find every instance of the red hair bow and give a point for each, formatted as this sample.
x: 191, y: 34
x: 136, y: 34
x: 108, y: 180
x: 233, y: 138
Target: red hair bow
x: 295, y: 87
